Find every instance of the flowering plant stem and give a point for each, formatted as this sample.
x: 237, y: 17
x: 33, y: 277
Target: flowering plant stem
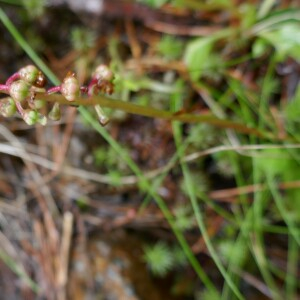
x: 154, y: 113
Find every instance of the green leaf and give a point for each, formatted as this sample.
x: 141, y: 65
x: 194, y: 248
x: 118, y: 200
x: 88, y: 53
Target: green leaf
x: 285, y: 39
x: 170, y: 47
x: 196, y: 55
x: 292, y: 109
x: 208, y: 295
x: 277, y: 162
x: 259, y: 47
x: 154, y: 3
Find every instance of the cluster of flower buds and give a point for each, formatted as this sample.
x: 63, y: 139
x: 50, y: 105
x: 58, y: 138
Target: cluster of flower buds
x: 23, y: 86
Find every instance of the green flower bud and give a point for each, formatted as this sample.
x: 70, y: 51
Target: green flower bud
x: 19, y: 90
x: 32, y: 117
x: 70, y: 87
x: 103, y: 118
x: 103, y: 72
x: 29, y: 74
x: 42, y: 120
x: 54, y: 113
x: 32, y: 75
x: 7, y: 107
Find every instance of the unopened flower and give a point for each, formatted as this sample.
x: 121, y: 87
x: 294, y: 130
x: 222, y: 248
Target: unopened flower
x: 101, y: 81
x: 103, y: 72
x: 103, y: 118
x: 19, y: 90
x: 54, y: 113
x: 70, y: 87
x: 7, y: 107
x: 32, y: 75
x: 32, y: 117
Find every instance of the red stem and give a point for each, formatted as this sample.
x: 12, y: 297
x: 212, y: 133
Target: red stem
x: 91, y: 86
x: 20, y: 108
x: 84, y: 89
x: 54, y: 89
x: 12, y: 78
x: 4, y: 88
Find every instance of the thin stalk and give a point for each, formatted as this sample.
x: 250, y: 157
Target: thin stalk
x: 161, y: 204
x: 19, y: 270
x: 4, y: 89
x: 155, y: 113
x: 200, y: 218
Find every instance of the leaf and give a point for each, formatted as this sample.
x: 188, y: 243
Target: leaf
x: 285, y: 39
x: 196, y: 55
x: 277, y: 162
x: 292, y: 109
x: 170, y: 47
x: 153, y: 3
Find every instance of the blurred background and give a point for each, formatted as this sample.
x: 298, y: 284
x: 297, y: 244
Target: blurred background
x: 148, y: 208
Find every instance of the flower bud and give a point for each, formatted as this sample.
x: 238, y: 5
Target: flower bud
x: 103, y: 118
x: 54, y: 113
x: 19, y: 90
x: 70, y: 87
x: 42, y: 120
x: 29, y: 74
x: 32, y: 117
x: 7, y: 107
x: 103, y: 72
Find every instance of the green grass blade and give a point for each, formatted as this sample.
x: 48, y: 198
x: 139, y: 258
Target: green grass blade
x: 147, y: 187
x: 26, y: 47
x: 291, y: 274
x: 198, y: 214
x: 18, y: 271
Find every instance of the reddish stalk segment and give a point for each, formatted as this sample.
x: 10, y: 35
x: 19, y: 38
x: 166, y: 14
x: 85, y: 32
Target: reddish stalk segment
x: 4, y: 88
x: 54, y: 89
x: 20, y: 108
x: 12, y: 78
x: 91, y: 87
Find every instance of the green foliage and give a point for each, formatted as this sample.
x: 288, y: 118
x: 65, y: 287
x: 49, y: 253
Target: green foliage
x: 202, y: 136
x: 179, y: 256
x: 162, y: 258
x: 259, y: 47
x: 170, y: 47
x: 82, y: 39
x: 249, y: 15
x: 283, y: 165
x: 224, y: 164
x: 198, y: 181
x: 203, y: 59
x: 107, y: 158
x: 184, y: 217
x: 159, y: 258
x: 277, y: 162
x: 153, y: 3
x: 34, y: 8
x: 115, y: 177
x: 292, y: 109
x: 229, y: 249
x: 285, y: 39
x: 82, y: 203
x: 197, y: 54
x: 208, y: 295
